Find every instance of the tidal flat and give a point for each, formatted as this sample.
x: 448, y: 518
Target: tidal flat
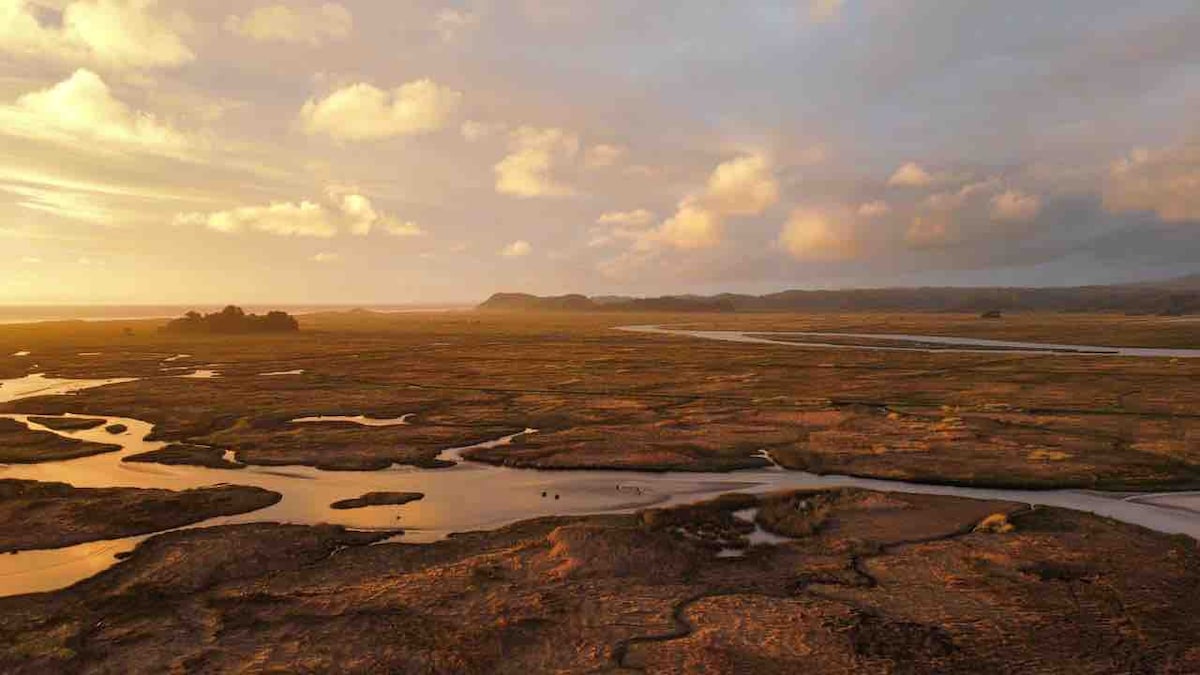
x: 852, y: 579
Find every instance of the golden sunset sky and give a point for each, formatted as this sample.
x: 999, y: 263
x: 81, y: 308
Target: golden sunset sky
x: 431, y: 151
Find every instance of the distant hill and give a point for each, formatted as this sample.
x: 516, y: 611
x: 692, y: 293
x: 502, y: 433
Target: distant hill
x: 1171, y: 297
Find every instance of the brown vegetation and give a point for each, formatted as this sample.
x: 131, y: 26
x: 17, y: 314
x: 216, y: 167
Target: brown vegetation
x: 37, y: 515
x: 889, y: 583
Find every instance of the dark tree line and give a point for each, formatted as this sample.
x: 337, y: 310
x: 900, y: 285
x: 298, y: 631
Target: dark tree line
x: 233, y: 320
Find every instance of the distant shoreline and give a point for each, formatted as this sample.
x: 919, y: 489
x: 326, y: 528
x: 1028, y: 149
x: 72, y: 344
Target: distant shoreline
x: 25, y: 314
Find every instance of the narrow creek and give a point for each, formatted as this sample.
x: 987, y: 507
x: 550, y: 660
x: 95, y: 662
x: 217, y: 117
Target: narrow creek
x: 467, y: 496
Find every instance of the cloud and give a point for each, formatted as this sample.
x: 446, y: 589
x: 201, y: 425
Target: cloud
x: 298, y: 25
x: 744, y: 186
x: 820, y: 11
x: 65, y: 204
x: 348, y: 212
x: 326, y: 257
x: 931, y: 231
x: 451, y: 23
x: 117, y: 34
x: 402, y: 228
x: 874, y: 209
x: 474, y: 131
x: 1165, y: 182
x: 362, y: 112
x: 693, y: 226
x: 911, y: 175
x: 304, y: 219
x: 516, y: 249
x: 1015, y: 206
x: 817, y: 235
x: 533, y: 153
x: 621, y: 225
x: 636, y: 218
x: 603, y: 155
x: 82, y: 110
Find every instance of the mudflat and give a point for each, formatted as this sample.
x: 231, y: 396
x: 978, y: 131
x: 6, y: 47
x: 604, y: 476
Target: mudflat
x: 21, y: 445
x: 36, y: 515
x: 865, y: 582
x: 603, y: 398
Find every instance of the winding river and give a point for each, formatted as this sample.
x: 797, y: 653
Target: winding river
x: 474, y: 496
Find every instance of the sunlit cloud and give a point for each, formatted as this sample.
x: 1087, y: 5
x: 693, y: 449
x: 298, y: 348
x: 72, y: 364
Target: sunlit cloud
x: 65, y: 204
x: 818, y: 235
x: 83, y: 110
x: 911, y: 174
x: 313, y: 26
x: 1165, y: 182
x: 346, y: 212
x: 326, y: 257
x: 303, y: 219
x: 1015, y: 206
x: 118, y: 34
x: 517, y: 249
x: 635, y: 218
x: 743, y: 186
x: 473, y: 130
x: 363, y: 112
x: 528, y: 169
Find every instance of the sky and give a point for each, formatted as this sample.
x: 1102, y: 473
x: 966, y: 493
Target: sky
x: 429, y: 151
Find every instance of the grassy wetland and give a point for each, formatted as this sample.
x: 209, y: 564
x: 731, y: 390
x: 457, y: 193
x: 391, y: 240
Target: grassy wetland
x: 833, y: 580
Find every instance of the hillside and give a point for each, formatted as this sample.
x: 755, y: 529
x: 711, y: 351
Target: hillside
x: 1171, y: 297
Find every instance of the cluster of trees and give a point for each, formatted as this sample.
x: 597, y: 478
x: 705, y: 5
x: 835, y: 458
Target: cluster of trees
x: 233, y: 320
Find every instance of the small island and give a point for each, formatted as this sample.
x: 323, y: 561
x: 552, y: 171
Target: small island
x: 233, y: 320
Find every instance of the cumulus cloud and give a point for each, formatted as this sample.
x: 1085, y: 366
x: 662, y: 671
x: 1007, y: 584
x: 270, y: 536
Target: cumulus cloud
x: 613, y: 226
x: 527, y: 171
x: 693, y: 226
x: 1015, y: 206
x: 911, y: 174
x: 1165, y: 182
x: 118, y: 34
x: 517, y: 249
x: 347, y: 211
x: 300, y: 25
x: 363, y: 112
x: 82, y: 109
x: 874, y: 209
x: 817, y: 235
x: 304, y: 219
x: 743, y: 186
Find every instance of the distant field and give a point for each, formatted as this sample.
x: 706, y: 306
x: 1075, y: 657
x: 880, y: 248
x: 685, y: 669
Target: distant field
x: 608, y: 399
